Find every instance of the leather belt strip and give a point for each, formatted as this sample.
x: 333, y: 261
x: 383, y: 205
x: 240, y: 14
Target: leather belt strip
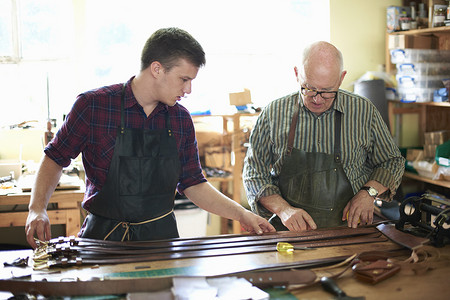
x: 269, y: 245
x: 67, y: 254
x: 81, y: 258
x: 402, y: 238
x: 115, y: 286
x: 80, y: 246
x: 220, y: 239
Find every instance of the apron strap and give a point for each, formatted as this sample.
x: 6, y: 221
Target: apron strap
x: 122, y: 109
x: 337, y: 136
x: 337, y: 133
x: 122, y: 113
x: 292, y: 128
x: 127, y: 225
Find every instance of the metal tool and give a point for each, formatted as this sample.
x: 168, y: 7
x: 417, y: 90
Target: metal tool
x: 418, y: 212
x: 284, y: 247
x: 330, y: 286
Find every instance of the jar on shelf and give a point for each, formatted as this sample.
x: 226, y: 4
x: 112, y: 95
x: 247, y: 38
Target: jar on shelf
x: 439, y: 15
x: 405, y: 23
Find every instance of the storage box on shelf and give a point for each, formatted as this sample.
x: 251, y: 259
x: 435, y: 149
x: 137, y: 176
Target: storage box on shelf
x: 421, y: 81
x: 420, y: 72
x: 400, y: 56
x: 423, y: 69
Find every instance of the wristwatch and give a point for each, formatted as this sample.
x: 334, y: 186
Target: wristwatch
x: 371, y: 190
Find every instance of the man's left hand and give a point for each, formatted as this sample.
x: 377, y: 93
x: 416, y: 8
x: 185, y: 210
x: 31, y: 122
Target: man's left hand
x: 359, y: 209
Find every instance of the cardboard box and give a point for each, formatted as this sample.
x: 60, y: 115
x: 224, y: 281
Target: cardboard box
x: 414, y: 154
x: 402, y: 41
x: 393, y: 15
x: 429, y: 150
x: 437, y: 137
x: 240, y: 99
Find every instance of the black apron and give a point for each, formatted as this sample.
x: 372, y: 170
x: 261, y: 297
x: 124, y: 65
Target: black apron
x: 137, y: 200
x: 315, y: 182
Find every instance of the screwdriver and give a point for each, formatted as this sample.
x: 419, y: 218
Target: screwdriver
x: 284, y: 247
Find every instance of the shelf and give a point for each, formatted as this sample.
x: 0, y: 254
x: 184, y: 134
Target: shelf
x: 442, y: 183
x: 442, y: 29
x: 444, y: 104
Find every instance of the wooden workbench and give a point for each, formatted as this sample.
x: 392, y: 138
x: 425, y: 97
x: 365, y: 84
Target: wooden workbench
x: 67, y: 211
x: 433, y: 283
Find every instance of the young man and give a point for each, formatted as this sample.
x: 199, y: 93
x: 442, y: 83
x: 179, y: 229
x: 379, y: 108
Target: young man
x: 138, y: 146
x: 320, y: 156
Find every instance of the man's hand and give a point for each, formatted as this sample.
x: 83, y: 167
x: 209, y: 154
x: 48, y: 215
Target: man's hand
x: 297, y: 219
x: 38, y: 224
x: 359, y: 209
x: 254, y: 223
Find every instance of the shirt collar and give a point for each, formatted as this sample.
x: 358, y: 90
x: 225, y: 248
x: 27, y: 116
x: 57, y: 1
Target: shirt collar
x: 130, y: 99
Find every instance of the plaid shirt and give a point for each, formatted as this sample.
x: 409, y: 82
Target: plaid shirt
x: 91, y: 128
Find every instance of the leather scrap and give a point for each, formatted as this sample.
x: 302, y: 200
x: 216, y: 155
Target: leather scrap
x: 374, y: 272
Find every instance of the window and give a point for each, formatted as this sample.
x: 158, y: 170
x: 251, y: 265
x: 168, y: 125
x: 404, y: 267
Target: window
x: 250, y: 44
x: 36, y: 42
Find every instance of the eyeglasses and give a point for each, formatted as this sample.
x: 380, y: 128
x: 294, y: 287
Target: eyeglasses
x: 313, y: 93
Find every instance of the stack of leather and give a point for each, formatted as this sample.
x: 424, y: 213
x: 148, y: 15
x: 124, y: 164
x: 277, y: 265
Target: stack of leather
x: 67, y: 251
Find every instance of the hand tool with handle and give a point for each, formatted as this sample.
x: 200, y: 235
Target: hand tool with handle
x: 330, y: 286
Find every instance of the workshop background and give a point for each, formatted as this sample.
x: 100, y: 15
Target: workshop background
x: 52, y: 50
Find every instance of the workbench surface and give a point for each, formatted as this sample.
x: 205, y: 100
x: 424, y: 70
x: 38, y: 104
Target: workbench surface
x: 432, y: 282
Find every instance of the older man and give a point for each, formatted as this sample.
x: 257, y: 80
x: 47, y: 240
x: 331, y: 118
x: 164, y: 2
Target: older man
x: 321, y: 156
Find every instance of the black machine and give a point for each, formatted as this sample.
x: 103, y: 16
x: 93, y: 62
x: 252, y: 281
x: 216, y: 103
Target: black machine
x: 427, y: 218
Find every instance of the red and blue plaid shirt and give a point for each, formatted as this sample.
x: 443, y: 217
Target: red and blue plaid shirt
x: 91, y: 128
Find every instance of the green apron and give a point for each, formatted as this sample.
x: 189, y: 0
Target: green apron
x: 315, y: 182
x: 137, y: 200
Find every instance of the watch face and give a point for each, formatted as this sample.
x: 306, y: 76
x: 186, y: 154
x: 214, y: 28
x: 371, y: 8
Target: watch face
x: 373, y: 192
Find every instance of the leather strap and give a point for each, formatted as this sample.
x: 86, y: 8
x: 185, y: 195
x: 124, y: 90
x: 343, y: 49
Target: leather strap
x: 279, y: 278
x: 75, y: 256
x: 325, y: 233
x: 91, y: 258
x: 293, y: 127
x: 404, y: 239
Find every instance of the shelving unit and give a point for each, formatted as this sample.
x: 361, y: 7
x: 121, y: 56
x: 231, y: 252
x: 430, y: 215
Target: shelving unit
x: 440, y: 33
x: 237, y: 161
x: 441, y: 183
x: 433, y: 116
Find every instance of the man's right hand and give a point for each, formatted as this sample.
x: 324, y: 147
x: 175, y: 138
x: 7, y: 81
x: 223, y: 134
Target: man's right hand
x: 295, y: 219
x: 38, y: 224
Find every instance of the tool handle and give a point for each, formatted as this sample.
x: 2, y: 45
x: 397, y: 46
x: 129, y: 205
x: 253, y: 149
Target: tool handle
x: 330, y: 286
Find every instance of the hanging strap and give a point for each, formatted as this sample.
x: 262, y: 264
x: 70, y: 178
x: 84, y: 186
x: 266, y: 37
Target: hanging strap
x: 292, y: 128
x: 122, y: 109
x: 337, y: 136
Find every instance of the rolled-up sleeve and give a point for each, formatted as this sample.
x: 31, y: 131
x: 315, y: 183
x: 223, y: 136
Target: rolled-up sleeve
x: 257, y: 177
x: 386, y: 160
